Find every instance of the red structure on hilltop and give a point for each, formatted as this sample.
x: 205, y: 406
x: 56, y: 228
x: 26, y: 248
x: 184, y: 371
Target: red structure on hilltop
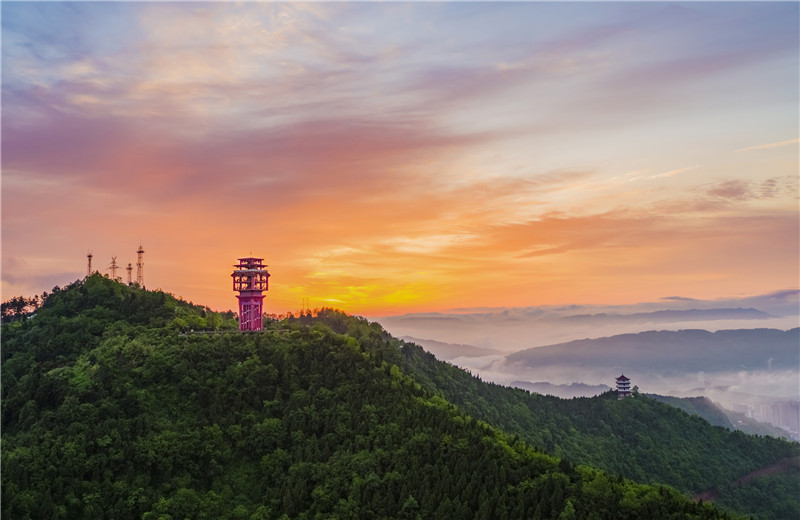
x: 251, y: 279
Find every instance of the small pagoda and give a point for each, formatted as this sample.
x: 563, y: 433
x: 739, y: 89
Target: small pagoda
x: 623, y: 387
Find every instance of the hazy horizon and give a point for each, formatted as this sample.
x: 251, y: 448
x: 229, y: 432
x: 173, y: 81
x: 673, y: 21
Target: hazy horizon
x: 511, y: 329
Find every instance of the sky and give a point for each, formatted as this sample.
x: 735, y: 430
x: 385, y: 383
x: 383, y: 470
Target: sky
x: 393, y: 158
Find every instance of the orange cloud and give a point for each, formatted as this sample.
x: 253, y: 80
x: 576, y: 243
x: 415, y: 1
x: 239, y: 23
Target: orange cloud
x: 381, y: 166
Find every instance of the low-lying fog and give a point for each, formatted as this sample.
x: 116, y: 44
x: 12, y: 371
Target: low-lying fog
x: 480, y: 340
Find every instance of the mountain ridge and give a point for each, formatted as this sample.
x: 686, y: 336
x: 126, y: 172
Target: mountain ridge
x: 677, y: 315
x: 689, y: 350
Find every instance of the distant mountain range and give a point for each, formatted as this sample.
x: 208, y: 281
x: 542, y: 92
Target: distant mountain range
x: 685, y: 351
x: 510, y: 329
x: 669, y: 316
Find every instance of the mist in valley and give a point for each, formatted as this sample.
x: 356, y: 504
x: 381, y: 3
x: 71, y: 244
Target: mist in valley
x: 743, y: 368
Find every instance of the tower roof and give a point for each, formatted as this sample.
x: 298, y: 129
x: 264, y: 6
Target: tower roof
x: 250, y: 260
x: 623, y: 378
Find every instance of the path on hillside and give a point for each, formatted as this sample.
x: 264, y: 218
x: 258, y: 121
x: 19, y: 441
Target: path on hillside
x: 779, y: 467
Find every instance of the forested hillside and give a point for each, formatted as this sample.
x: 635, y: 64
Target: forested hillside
x: 112, y: 408
x: 638, y: 438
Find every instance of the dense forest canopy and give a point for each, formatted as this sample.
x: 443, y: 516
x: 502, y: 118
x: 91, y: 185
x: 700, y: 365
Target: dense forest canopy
x: 116, y: 404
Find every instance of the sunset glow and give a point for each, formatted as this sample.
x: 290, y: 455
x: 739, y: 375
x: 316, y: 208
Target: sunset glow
x: 386, y: 158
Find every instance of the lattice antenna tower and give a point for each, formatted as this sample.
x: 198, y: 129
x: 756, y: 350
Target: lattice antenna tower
x: 140, y: 266
x: 89, y: 267
x: 130, y: 273
x: 113, y: 268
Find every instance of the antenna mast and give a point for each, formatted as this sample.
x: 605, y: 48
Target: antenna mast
x: 140, y: 266
x: 89, y: 267
x: 130, y: 271
x: 113, y: 268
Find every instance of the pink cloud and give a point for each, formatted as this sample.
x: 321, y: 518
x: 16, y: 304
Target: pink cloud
x: 426, y: 166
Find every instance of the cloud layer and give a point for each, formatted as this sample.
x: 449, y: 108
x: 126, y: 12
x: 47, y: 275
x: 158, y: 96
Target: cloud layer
x: 388, y: 158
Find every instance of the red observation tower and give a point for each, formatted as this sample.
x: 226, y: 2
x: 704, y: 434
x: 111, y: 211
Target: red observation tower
x: 251, y: 279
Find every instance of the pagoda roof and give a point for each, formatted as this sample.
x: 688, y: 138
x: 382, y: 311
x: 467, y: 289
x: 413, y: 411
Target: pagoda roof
x: 623, y: 378
x: 251, y: 263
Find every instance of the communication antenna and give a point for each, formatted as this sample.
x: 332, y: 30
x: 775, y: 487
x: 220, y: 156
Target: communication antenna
x: 130, y: 271
x: 113, y: 268
x: 140, y: 266
x: 89, y: 267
